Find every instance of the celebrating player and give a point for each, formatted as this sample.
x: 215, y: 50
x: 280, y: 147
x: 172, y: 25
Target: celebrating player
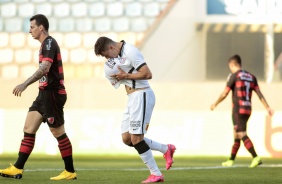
x: 48, y: 105
x: 242, y: 83
x: 126, y: 66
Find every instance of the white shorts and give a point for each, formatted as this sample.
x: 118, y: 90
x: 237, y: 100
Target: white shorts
x: 138, y: 113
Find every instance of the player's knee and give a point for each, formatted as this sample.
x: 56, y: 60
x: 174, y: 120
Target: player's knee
x: 127, y: 142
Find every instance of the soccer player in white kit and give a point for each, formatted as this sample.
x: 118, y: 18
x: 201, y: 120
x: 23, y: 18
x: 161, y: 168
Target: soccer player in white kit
x: 126, y: 65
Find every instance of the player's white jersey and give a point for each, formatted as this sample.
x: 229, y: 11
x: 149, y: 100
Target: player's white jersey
x: 130, y: 60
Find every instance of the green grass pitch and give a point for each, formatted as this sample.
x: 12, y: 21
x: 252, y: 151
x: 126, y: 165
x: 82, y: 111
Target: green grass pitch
x: 122, y: 169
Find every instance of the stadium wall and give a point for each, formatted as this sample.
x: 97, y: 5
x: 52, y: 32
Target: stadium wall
x: 175, y: 51
x: 94, y: 110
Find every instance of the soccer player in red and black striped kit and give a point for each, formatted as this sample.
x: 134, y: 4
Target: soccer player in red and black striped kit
x: 242, y: 83
x: 48, y: 105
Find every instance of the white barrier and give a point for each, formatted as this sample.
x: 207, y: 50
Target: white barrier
x: 204, y: 133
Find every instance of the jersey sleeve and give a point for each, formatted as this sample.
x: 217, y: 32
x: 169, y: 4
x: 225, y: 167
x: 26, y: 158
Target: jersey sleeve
x: 136, y: 58
x: 256, y: 86
x: 231, y: 79
x: 49, y: 50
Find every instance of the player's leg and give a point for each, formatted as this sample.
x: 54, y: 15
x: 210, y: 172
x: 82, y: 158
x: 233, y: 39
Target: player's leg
x: 167, y: 149
x: 54, y: 116
x: 156, y: 146
x: 141, y: 106
x: 242, y: 134
x: 234, y: 150
x: 146, y: 155
x: 32, y: 123
x: 236, y: 144
x: 65, y: 148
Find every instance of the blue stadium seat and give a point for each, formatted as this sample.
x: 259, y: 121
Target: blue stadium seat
x: 38, y: 1
x: 103, y: 24
x: 1, y: 24
x: 44, y: 8
x: 121, y: 24
x: 84, y: 25
x: 61, y: 10
x: 20, y: 1
x: 26, y: 25
x: 79, y: 9
x: 53, y: 24
x: 13, y: 25
x: 115, y: 9
x: 97, y: 9
x: 66, y: 25
x: 26, y: 10
x: 139, y: 24
x: 151, y: 9
x: 133, y: 9
x: 8, y: 10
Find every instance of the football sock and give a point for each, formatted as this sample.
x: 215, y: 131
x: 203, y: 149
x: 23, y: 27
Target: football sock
x: 235, y: 148
x: 249, y: 145
x: 146, y: 155
x: 156, y: 146
x: 66, y: 152
x: 26, y: 148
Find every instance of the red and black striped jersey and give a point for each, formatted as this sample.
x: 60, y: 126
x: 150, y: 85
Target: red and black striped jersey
x: 242, y: 83
x: 54, y: 79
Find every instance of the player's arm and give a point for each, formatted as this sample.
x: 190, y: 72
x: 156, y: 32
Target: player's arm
x: 222, y: 96
x: 42, y: 70
x: 264, y: 102
x: 143, y: 73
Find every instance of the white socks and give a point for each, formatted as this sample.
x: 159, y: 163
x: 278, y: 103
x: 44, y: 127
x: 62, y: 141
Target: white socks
x: 156, y: 146
x: 150, y: 162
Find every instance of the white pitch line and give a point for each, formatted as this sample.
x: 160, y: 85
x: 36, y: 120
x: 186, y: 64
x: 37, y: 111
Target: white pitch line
x: 144, y: 169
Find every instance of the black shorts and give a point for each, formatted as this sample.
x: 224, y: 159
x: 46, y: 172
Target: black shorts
x: 240, y: 121
x: 50, y: 105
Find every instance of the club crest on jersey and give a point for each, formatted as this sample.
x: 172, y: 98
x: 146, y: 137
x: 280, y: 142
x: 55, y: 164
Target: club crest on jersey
x: 122, y: 60
x: 111, y: 63
x: 51, y: 120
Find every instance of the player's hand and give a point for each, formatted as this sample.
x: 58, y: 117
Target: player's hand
x: 19, y: 89
x: 120, y: 75
x: 213, y: 107
x: 270, y: 111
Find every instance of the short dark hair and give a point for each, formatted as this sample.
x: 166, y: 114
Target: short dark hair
x: 102, y: 44
x: 40, y: 20
x: 236, y: 59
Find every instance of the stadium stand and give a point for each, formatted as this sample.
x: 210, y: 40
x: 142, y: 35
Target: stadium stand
x: 75, y: 24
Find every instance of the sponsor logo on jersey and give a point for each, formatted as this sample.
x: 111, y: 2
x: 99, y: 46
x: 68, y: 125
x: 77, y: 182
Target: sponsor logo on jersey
x: 111, y: 63
x: 48, y: 45
x: 245, y: 103
x: 135, y: 124
x: 245, y: 76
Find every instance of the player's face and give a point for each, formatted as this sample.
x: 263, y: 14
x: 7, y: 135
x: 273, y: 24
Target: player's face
x: 232, y: 67
x: 112, y: 52
x: 35, y: 30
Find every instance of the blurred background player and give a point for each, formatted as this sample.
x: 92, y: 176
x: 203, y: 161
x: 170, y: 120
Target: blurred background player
x: 126, y: 66
x: 242, y: 83
x: 48, y: 105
